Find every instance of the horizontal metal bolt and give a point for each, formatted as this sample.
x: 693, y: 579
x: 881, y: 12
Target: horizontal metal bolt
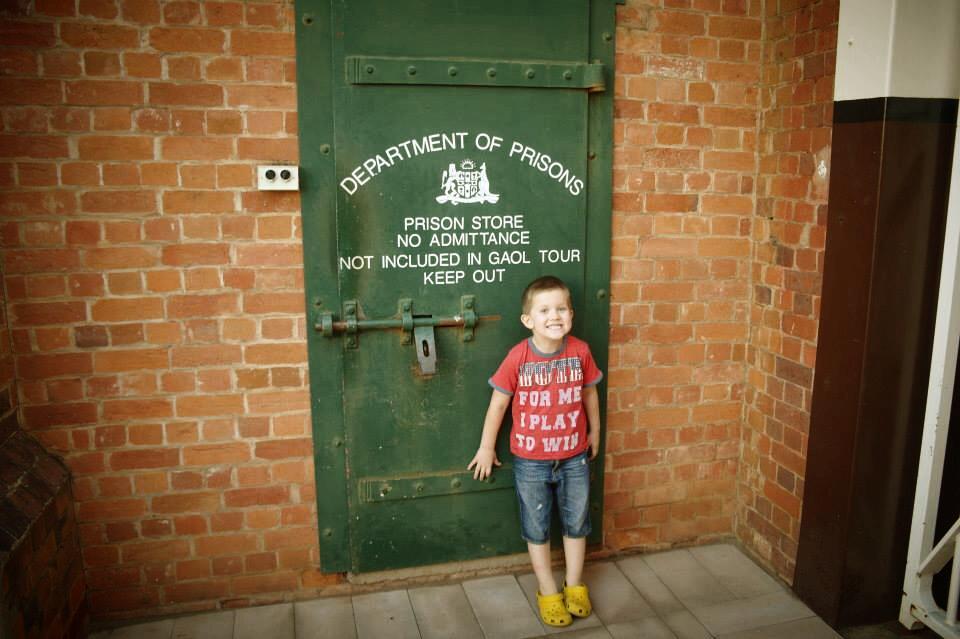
x: 531, y: 73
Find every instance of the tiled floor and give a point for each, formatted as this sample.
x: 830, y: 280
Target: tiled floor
x: 696, y: 593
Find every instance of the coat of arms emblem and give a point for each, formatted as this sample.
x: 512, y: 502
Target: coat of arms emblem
x: 466, y: 185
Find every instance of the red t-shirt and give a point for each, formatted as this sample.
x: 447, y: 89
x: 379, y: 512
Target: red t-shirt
x: 549, y: 421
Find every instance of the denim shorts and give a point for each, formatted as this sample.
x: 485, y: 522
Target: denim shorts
x: 537, y: 481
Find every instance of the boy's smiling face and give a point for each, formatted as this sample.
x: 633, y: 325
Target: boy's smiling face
x: 550, y: 318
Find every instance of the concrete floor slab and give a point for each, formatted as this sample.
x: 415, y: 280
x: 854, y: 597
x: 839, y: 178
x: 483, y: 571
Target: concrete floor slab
x: 754, y: 612
x: 274, y: 621
x: 325, y: 618
x: 614, y: 598
x: 501, y: 608
x: 385, y: 614
x: 444, y: 611
x: 209, y: 625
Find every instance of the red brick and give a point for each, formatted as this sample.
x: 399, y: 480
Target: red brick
x: 138, y: 308
x: 271, y: 149
x: 678, y: 22
x: 120, y: 360
x: 168, y: 93
x: 37, y: 417
x: 261, y: 43
x: 142, y: 65
x: 102, y: 510
x: 284, y: 448
x: 198, y: 502
x: 263, y: 496
x: 104, y: 92
x: 145, y: 458
x: 196, y: 254
x: 41, y: 261
x: 212, y: 454
x: 33, y: 146
x: 149, y: 551
x: 130, y: 202
x: 99, y: 36
x: 183, y: 306
x: 104, y: 147
x: 180, y: 40
x: 120, y: 257
x: 262, y: 96
x: 198, y: 405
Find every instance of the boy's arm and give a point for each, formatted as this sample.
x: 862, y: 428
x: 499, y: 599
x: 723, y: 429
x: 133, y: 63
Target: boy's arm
x: 486, y: 457
x: 591, y: 404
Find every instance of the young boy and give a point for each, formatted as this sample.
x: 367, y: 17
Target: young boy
x: 551, y: 380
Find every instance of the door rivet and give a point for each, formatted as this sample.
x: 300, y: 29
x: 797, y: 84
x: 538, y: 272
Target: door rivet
x: 592, y: 155
x: 370, y: 68
x: 338, y: 442
x: 607, y: 36
x: 308, y: 19
x: 455, y: 483
x: 452, y: 72
x: 419, y: 486
x: 602, y: 294
x: 328, y: 532
x: 491, y: 72
x: 531, y: 73
x: 384, y: 490
x: 411, y: 70
x: 568, y: 75
x: 325, y: 148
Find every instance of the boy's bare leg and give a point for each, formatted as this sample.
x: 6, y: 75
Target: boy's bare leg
x: 540, y: 558
x: 574, y: 551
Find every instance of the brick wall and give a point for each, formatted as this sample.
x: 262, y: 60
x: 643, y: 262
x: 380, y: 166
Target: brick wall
x: 789, y: 236
x: 684, y: 178
x: 156, y: 298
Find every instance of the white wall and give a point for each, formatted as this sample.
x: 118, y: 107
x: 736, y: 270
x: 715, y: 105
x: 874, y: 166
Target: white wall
x: 901, y: 48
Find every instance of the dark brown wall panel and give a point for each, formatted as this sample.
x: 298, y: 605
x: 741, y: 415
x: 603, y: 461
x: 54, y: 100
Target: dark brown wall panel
x: 888, y: 195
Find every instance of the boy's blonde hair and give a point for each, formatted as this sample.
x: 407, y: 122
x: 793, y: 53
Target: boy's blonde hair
x: 544, y: 283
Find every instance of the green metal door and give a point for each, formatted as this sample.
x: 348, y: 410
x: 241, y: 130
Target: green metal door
x: 450, y: 153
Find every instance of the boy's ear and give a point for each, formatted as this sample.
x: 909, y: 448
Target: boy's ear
x: 527, y: 321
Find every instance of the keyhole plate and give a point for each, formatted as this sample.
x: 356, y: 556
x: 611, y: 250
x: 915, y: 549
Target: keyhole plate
x: 426, y: 348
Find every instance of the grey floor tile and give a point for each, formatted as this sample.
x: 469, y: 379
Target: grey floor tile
x: 686, y: 626
x: 161, y: 629
x: 274, y: 621
x: 501, y: 608
x: 735, y: 570
x: 444, y: 611
x: 744, y: 614
x: 649, y: 628
x: 614, y: 598
x: 809, y: 628
x: 689, y: 581
x: 528, y: 583
x: 653, y: 591
x: 598, y: 632
x: 385, y: 614
x: 209, y: 625
x: 325, y: 618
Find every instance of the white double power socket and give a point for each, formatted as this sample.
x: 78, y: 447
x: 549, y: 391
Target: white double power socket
x: 278, y: 177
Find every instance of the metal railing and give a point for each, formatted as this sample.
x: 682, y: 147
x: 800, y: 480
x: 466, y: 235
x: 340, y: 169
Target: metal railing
x: 924, y: 559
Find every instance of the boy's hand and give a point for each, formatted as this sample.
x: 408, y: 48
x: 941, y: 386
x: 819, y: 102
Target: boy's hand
x: 483, y: 463
x: 593, y: 441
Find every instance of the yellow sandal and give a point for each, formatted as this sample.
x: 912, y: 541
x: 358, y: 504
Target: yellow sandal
x: 552, y: 610
x: 577, y: 599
